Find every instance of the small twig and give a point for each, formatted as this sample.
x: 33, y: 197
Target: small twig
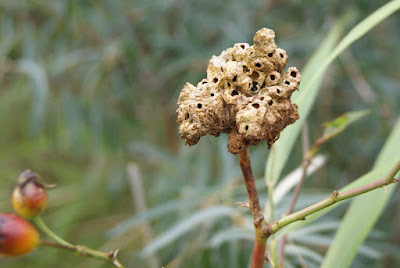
x: 110, y: 257
x: 334, y: 198
x: 56, y: 245
x: 43, y: 227
x: 306, y: 163
x: 254, y: 205
x: 139, y: 199
x: 271, y: 186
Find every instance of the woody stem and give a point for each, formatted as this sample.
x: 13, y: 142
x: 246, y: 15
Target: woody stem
x: 254, y: 205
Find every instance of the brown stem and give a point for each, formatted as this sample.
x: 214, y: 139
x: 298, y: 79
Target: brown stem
x: 258, y: 258
x: 254, y: 205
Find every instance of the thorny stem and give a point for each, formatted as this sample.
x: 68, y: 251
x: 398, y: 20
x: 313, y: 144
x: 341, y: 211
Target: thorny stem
x: 110, y: 257
x: 335, y: 197
x: 263, y: 230
x: 45, y: 229
x: 254, y: 205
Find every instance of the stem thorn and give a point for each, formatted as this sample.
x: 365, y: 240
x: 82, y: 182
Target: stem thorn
x: 243, y: 204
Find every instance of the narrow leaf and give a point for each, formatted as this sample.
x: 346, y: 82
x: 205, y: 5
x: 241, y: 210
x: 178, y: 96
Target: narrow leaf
x: 38, y: 76
x: 231, y: 234
x: 184, y: 226
x: 388, y: 154
x: 363, y: 212
x: 336, y: 126
x: 150, y: 214
x: 305, y: 100
x: 369, y: 177
x: 312, y: 75
x: 304, y: 252
x: 386, y: 159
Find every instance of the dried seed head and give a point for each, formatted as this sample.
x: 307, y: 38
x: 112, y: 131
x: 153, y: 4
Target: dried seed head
x: 245, y: 95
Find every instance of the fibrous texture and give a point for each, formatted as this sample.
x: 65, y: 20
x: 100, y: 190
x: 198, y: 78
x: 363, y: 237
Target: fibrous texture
x: 246, y: 95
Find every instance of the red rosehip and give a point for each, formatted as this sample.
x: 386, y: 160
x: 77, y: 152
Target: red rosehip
x: 17, y: 235
x: 30, y: 196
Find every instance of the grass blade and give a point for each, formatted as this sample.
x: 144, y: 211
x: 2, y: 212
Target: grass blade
x: 150, y: 214
x: 363, y: 212
x: 40, y: 89
x: 304, y: 99
x: 386, y: 159
x: 312, y: 75
x: 207, y: 215
x: 230, y: 234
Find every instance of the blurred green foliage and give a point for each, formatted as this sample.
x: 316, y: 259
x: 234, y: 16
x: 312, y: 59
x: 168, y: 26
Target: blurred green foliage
x: 87, y: 87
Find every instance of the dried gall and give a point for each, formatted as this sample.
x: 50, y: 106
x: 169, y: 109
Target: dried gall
x: 246, y: 94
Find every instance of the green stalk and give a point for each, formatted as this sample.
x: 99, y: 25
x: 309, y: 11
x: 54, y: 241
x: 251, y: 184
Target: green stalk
x: 335, y: 197
x: 79, y: 250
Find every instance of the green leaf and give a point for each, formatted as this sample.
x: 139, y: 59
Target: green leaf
x: 150, y: 214
x: 40, y: 82
x: 324, y: 226
x: 186, y: 225
x: 336, y: 126
x: 388, y: 156
x: 311, y: 81
x: 324, y: 241
x: 235, y: 233
x: 363, y: 211
x: 304, y: 252
x: 305, y: 100
x: 286, y: 141
x: 372, y: 203
x: 369, y: 177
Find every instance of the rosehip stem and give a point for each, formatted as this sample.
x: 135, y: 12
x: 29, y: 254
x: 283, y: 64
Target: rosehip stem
x: 110, y: 257
x: 43, y: 227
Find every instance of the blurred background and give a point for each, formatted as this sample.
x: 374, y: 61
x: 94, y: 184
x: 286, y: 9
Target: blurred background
x: 88, y: 93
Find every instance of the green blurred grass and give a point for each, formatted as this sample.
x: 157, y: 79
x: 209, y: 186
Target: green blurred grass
x: 89, y: 86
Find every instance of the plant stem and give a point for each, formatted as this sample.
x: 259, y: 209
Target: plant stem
x: 110, y: 257
x: 270, y: 187
x: 139, y: 202
x: 335, y: 197
x: 306, y: 163
x: 45, y: 229
x: 254, y: 205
